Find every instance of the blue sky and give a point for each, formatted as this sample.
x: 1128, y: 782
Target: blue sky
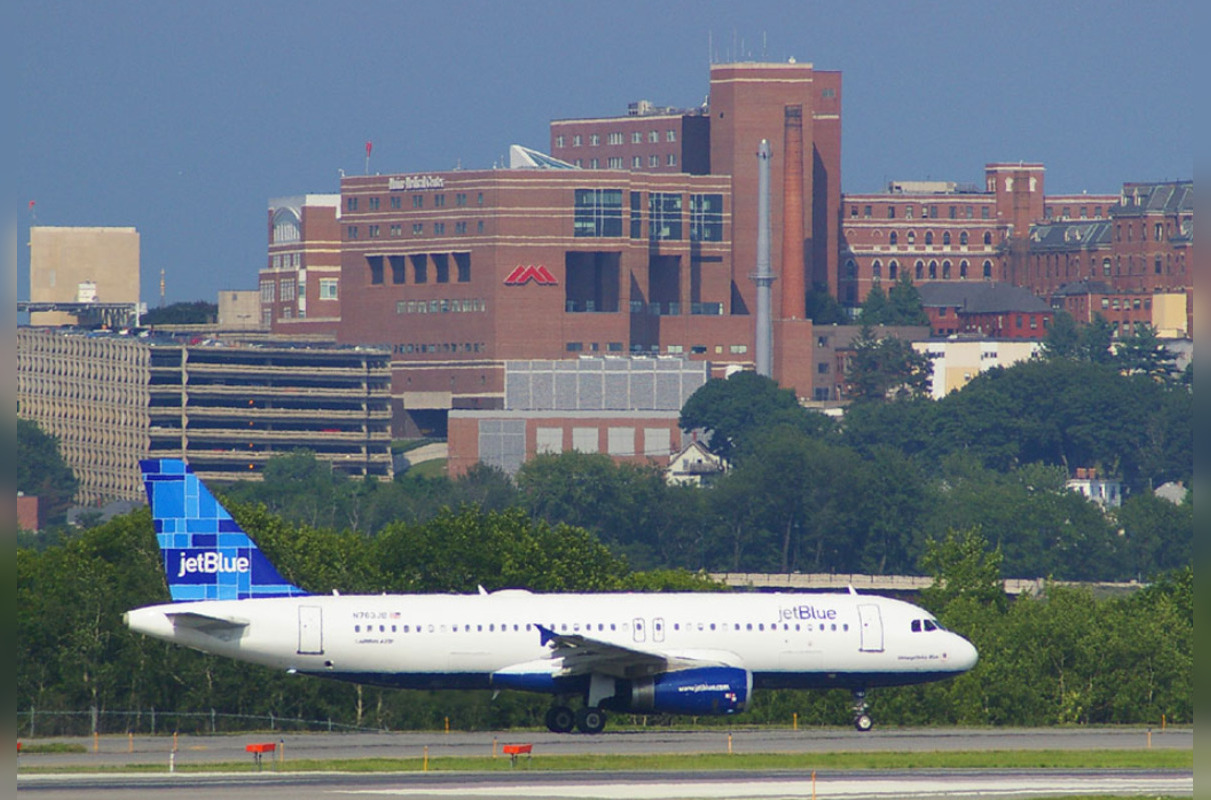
x: 183, y: 119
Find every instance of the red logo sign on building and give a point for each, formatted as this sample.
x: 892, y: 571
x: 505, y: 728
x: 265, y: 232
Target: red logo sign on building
x: 524, y: 274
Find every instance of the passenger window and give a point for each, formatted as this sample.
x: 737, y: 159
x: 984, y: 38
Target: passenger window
x: 357, y: 628
x: 749, y: 626
x: 916, y: 626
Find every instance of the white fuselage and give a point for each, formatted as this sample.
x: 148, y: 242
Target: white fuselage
x: 458, y: 641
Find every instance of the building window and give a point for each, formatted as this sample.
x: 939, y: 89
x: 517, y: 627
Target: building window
x: 397, y: 230
x: 395, y: 202
x: 375, y: 263
x: 439, y: 201
x: 460, y: 199
x: 946, y: 238
x: 460, y: 227
x: 672, y: 159
x: 287, y: 290
x: 664, y: 215
x: 479, y: 226
x: 615, y: 138
x: 439, y: 228
x: 418, y: 201
x: 594, y: 140
x: 559, y: 141
x: 598, y: 212
x: 987, y: 269
x: 653, y: 136
x: 653, y: 161
x: 328, y: 288
x: 351, y: 232
x: 984, y: 212
x: 574, y: 347
x: 372, y: 231
x: 706, y: 217
x: 418, y: 228
x: 267, y: 291
x: 912, y: 237
x: 928, y: 237
x: 963, y: 238
x: 866, y: 212
x: 876, y: 270
x: 636, y: 216
x: 891, y: 212
x: 576, y: 140
x: 593, y: 163
x: 670, y: 135
x: 373, y: 203
x: 351, y: 204
x: 987, y: 238
x: 614, y: 162
x: 893, y: 238
x: 462, y: 267
x: 636, y: 137
x: 636, y: 162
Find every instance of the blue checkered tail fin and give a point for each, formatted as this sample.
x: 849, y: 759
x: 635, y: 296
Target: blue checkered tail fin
x: 207, y: 556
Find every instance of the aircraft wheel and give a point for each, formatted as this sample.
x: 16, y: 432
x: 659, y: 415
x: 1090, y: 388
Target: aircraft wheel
x: 590, y: 720
x: 560, y: 719
x: 863, y: 723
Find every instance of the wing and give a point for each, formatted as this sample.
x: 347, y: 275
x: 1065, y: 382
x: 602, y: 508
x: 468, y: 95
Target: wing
x: 583, y: 655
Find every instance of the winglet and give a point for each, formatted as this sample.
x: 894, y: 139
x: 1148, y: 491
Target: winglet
x: 207, y: 556
x: 545, y: 634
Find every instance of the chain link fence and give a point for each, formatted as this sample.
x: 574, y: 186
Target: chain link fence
x: 34, y: 722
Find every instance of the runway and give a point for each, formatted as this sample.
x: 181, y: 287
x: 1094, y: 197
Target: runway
x: 115, y: 752
x: 743, y: 785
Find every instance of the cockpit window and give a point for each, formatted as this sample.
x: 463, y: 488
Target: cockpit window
x: 916, y: 626
x: 930, y: 625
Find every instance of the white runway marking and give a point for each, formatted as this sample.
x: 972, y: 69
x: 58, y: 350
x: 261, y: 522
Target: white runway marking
x: 992, y: 786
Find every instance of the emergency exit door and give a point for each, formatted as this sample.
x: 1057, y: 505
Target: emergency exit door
x: 871, y: 624
x: 311, y: 630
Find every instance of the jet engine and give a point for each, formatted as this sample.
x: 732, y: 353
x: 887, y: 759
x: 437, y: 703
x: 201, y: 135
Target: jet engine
x: 700, y: 691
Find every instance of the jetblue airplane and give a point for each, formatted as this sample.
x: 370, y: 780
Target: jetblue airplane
x: 635, y: 653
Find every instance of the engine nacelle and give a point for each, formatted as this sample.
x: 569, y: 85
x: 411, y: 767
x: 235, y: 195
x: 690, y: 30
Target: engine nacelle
x: 701, y: 691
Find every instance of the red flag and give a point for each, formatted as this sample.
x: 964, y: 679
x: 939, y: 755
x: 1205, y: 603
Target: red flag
x: 369, y: 146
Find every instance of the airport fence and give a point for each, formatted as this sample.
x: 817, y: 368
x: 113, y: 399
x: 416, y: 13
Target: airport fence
x: 33, y: 722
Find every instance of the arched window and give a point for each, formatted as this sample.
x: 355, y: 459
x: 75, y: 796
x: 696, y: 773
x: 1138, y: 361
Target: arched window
x: 851, y: 269
x: 876, y: 270
x: 946, y: 237
x: 987, y: 237
x: 920, y: 270
x: 892, y: 238
x: 912, y: 237
x: 928, y: 237
x: 933, y: 270
x: 987, y: 268
x: 285, y: 225
x: 893, y: 271
x: 963, y: 269
x: 963, y: 238
x: 945, y: 270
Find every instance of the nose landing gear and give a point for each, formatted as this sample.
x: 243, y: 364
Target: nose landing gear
x: 862, y: 720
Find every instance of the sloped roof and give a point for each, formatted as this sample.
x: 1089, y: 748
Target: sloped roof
x: 1080, y: 287
x: 1170, y: 197
x: 979, y: 298
x: 1070, y: 235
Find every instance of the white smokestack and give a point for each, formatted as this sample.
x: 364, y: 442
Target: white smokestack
x: 763, y: 277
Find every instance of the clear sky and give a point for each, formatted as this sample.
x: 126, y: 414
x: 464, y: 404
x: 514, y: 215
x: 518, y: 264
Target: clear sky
x: 183, y: 119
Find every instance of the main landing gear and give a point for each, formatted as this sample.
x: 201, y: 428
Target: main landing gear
x: 561, y: 719
x: 862, y: 720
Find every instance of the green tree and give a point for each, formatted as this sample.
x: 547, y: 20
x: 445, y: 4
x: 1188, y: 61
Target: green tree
x: 823, y: 308
x: 886, y: 369
x: 904, y: 302
x: 734, y: 409
x: 1097, y: 339
x: 1063, y: 339
x: 1158, y: 535
x: 875, y: 309
x: 1143, y: 353
x: 964, y: 567
x: 42, y: 472
x: 196, y: 312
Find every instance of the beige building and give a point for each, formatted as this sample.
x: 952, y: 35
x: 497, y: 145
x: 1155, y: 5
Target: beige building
x: 1169, y: 315
x: 957, y: 361
x: 70, y: 265
x: 240, y: 311
x: 112, y: 400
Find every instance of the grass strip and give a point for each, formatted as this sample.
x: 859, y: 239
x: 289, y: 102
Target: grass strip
x: 42, y: 748
x: 961, y: 759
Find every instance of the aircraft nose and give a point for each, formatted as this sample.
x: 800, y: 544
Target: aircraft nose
x: 963, y: 654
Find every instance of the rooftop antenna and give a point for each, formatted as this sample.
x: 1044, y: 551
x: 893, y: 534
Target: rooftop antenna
x: 161, y: 287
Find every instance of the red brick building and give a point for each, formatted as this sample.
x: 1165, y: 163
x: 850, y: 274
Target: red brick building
x: 300, y: 284
x: 986, y: 309
x: 650, y: 252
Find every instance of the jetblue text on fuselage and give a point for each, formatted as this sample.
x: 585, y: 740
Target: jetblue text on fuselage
x: 210, y: 563
x: 808, y: 613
